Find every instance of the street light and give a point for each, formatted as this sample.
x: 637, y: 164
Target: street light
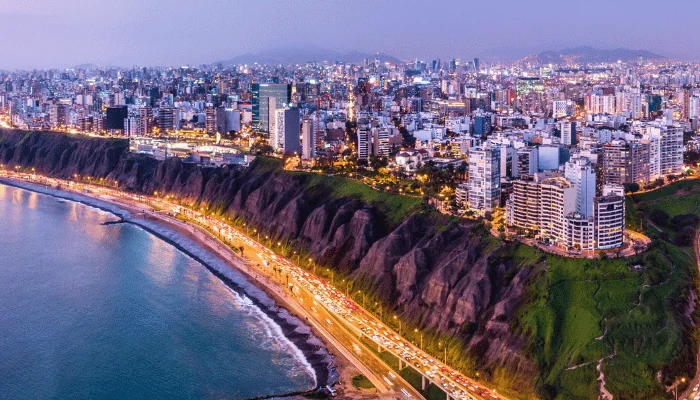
x: 397, y: 318
x: 421, y: 338
x: 675, y: 389
x: 363, y: 297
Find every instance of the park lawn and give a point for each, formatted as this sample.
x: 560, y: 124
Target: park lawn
x: 682, y: 197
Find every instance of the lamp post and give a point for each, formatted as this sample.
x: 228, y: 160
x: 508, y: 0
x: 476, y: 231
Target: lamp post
x: 421, y: 338
x: 397, y: 318
x: 676, y: 388
x: 363, y: 297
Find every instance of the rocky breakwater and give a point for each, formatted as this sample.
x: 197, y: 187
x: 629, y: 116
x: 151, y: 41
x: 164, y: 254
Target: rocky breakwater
x: 436, y: 273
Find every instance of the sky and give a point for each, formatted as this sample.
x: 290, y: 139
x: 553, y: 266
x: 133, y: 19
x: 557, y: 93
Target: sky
x: 64, y: 33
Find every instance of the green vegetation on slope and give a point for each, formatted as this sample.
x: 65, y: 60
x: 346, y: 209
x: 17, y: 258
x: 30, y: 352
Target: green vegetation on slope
x: 682, y: 197
x: 396, y: 207
x: 582, y: 313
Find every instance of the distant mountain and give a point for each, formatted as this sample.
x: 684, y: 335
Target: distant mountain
x: 589, y: 55
x: 303, y: 54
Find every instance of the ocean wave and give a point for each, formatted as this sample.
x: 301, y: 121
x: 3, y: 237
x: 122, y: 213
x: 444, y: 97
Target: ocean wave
x: 273, y: 332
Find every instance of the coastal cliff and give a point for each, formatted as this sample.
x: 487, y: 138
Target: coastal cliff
x: 440, y: 275
x: 506, y: 311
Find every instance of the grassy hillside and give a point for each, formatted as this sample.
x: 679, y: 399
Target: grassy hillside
x: 582, y: 313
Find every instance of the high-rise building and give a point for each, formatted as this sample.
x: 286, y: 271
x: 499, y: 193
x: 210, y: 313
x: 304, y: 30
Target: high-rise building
x: 581, y: 173
x: 484, y: 179
x: 132, y: 126
x: 528, y: 161
x: 261, y: 94
x: 557, y: 200
x: 601, y: 104
x: 166, y: 120
x: 286, y: 131
x: 685, y: 95
x: 609, y: 211
x: 568, y: 132
x: 210, y: 121
x: 227, y: 120
x: 694, y: 107
x: 292, y: 134
x: 548, y: 208
x: 626, y: 162
x: 560, y: 108
x: 380, y: 142
x: 146, y: 121
x: 308, y: 139
x: 114, y: 119
x: 59, y: 114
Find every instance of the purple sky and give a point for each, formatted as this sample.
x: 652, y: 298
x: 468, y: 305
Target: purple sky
x: 60, y: 33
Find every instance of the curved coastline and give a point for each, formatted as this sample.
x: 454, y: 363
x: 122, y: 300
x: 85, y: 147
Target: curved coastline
x: 311, y: 349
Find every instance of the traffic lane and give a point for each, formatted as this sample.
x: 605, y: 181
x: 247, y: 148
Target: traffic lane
x: 364, y: 355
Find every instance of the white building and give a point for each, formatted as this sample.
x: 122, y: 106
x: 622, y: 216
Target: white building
x: 484, y: 179
x: 559, y: 108
x: 568, y: 132
x: 580, y: 172
x: 610, y: 218
x: 363, y: 144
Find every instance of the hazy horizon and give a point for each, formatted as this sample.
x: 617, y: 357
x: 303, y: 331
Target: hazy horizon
x: 55, y: 34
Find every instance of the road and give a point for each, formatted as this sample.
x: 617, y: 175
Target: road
x: 332, y: 313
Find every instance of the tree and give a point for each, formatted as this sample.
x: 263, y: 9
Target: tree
x: 691, y: 157
x: 631, y: 187
x: 659, y: 217
x: 686, y: 236
x: 684, y: 220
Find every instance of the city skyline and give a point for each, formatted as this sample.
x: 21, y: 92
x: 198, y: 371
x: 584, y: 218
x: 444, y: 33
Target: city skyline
x: 160, y: 33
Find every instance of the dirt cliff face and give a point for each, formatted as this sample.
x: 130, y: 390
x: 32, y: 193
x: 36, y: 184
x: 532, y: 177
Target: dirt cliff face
x: 440, y: 274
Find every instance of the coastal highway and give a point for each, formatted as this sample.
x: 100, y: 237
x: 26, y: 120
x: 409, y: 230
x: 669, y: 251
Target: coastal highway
x: 336, y: 316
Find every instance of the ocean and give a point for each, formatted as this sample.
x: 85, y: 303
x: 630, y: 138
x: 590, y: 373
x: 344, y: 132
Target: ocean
x: 111, y: 311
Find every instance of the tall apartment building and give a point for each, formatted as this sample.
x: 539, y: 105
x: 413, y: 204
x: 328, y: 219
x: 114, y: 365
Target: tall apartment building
x: 363, y: 144
x: 210, y: 120
x: 523, y: 207
x: 528, y: 161
x: 166, y: 120
x: 484, y: 179
x: 568, y: 132
x: 548, y: 207
x: 666, y: 151
x: 380, y: 142
x: 59, y: 114
x: 146, y: 120
x: 601, y: 104
x: 132, y: 126
x: 610, y: 218
x: 557, y: 199
x: 626, y: 162
x: 308, y: 139
x: 581, y: 173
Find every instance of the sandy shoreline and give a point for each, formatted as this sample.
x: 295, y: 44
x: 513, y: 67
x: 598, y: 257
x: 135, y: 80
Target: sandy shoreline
x: 230, y: 270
